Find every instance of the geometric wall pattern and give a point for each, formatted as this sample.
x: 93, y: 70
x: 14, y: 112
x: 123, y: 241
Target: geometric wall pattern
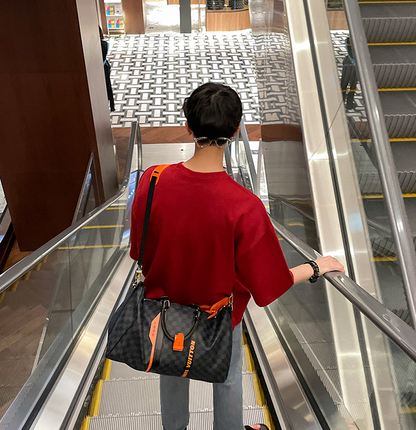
x: 278, y: 99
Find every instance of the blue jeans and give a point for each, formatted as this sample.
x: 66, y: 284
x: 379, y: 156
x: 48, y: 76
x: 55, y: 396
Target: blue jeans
x: 228, y: 396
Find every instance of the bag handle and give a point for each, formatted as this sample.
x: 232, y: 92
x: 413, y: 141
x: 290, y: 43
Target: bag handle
x: 165, y: 307
x: 154, y: 179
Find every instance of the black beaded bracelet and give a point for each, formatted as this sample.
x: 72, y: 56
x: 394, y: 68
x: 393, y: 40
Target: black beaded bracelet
x: 315, y: 268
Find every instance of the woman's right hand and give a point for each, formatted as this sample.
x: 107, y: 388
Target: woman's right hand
x: 329, y: 264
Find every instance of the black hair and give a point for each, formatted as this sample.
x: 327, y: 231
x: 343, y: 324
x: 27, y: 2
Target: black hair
x: 213, y: 110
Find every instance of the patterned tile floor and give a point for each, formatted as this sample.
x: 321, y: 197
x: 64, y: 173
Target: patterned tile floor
x: 153, y: 73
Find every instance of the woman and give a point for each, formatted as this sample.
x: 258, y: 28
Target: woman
x: 209, y: 237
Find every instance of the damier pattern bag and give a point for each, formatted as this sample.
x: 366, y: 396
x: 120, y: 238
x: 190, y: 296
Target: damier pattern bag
x: 167, y: 338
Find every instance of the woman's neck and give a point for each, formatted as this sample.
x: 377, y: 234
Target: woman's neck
x: 206, y: 160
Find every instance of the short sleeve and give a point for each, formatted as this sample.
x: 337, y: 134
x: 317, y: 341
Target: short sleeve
x: 260, y: 263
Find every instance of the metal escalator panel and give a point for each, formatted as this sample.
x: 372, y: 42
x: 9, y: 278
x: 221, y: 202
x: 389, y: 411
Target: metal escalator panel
x: 374, y: 197
x: 301, y: 168
x: 391, y: 39
x: 354, y: 373
x: 46, y: 308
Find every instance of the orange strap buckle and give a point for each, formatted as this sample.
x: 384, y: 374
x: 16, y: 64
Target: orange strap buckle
x: 216, y: 307
x: 178, y: 343
x: 158, y: 171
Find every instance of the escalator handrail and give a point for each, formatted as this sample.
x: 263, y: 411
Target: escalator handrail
x: 82, y: 199
x: 389, y: 323
x: 249, y: 156
x: 388, y: 174
x: 19, y: 269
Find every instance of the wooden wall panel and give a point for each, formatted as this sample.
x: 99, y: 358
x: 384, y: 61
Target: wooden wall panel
x: 103, y: 16
x: 337, y: 20
x: 101, y: 134
x: 134, y: 16
x: 48, y: 126
x: 233, y: 20
x: 192, y: 2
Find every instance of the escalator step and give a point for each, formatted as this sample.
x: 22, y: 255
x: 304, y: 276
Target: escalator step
x: 126, y: 398
x: 394, y: 66
x: 201, y: 420
x: 399, y: 114
x: 370, y: 182
x: 120, y: 371
x: 141, y: 396
x: 391, y: 22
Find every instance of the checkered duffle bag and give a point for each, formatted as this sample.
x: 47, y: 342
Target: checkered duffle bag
x: 171, y: 339
x: 167, y: 338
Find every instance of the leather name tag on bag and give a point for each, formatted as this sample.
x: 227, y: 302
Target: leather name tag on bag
x: 178, y: 343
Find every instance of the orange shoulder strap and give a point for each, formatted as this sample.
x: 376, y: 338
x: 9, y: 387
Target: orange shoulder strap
x: 158, y: 171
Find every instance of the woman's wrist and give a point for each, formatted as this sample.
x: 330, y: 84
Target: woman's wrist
x: 315, y: 269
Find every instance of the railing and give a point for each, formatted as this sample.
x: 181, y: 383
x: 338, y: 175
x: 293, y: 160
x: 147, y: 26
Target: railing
x: 10, y: 276
x: 64, y: 294
x: 88, y: 184
x: 389, y: 323
x: 318, y: 336
x: 381, y: 146
x: 247, y: 153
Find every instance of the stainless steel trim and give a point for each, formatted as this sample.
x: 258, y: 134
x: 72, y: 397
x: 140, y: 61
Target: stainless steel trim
x: 45, y: 374
x: 139, y: 148
x: 28, y: 397
x: 288, y: 398
x: 249, y: 156
x: 86, y: 186
x: 325, y: 203
x: 355, y: 227
x: 19, y: 269
x: 359, y: 245
x: 60, y: 398
x: 389, y: 323
x: 5, y: 221
x: 228, y: 164
x: 388, y: 174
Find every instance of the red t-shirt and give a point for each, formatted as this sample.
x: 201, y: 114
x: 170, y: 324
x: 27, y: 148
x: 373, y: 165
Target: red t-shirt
x: 208, y: 237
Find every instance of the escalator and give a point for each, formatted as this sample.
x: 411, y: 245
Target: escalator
x: 339, y: 354
x: 337, y: 173
x: 390, y: 31
x: 293, y: 342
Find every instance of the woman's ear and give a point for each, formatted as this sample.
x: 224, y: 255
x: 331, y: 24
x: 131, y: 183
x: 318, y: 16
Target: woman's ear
x: 187, y: 128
